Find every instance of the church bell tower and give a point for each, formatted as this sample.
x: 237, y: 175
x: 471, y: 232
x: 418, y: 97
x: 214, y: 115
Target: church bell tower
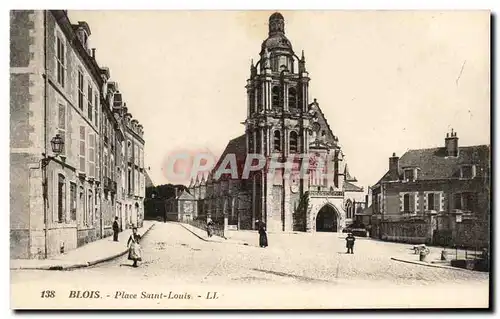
x: 277, y: 124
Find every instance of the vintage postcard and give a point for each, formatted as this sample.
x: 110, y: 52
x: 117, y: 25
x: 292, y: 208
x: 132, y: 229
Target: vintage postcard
x: 250, y: 159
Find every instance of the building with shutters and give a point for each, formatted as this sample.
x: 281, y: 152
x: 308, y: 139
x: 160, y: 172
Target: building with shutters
x: 445, y: 187
x: 281, y: 122
x: 57, y: 87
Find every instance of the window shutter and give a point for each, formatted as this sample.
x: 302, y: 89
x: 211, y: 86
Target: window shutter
x: 401, y: 202
x: 417, y: 202
x: 426, y: 201
x: 82, y: 149
x: 441, y: 202
x: 437, y: 201
x: 412, y: 203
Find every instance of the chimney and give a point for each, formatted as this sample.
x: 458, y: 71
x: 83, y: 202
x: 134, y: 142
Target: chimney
x: 93, y: 53
x: 394, y: 167
x: 175, y: 189
x: 451, y: 144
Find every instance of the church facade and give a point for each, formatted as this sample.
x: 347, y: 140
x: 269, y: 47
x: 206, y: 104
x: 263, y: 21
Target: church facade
x: 282, y: 124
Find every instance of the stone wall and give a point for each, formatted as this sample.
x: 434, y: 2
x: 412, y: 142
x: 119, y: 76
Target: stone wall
x: 412, y: 232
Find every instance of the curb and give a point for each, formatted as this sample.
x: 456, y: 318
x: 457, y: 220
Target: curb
x: 429, y: 265
x: 80, y: 265
x: 192, y: 232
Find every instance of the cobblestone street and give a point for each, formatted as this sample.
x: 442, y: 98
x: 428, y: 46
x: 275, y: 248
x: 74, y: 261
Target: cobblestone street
x: 174, y: 255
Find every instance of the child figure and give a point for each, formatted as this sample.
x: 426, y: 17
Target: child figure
x: 134, y: 251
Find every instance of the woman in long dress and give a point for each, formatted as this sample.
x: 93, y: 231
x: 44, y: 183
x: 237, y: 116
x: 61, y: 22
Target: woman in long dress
x: 134, y: 250
x: 262, y: 235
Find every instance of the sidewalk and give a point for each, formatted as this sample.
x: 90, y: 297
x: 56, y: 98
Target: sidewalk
x: 201, y: 234
x: 432, y: 260
x: 88, y: 255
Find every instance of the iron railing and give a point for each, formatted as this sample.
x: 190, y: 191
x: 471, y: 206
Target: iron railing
x: 218, y: 228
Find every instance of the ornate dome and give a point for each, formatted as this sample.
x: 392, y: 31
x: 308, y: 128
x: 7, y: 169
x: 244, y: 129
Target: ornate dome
x: 277, y: 38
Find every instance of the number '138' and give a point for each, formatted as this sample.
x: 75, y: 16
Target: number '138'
x: 48, y: 294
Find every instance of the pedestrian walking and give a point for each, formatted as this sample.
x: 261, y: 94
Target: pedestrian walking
x: 116, y: 229
x: 262, y: 234
x: 134, y: 250
x: 350, y: 239
x: 210, y: 227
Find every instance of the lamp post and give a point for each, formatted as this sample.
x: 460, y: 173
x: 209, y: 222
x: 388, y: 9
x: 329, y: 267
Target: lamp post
x: 57, y: 144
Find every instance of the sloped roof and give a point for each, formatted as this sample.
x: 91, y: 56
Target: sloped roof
x: 149, y: 182
x: 238, y: 147
x: 185, y: 195
x: 349, y: 187
x: 433, y: 164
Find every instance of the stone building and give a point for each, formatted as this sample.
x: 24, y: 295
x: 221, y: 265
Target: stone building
x: 445, y: 190
x: 57, y: 87
x: 281, y: 122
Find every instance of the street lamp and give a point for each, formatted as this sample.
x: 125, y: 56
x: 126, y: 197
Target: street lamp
x: 57, y: 144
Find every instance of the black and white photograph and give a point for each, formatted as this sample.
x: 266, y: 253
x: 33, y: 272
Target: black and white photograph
x: 250, y: 159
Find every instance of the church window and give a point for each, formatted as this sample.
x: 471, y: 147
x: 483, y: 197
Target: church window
x: 292, y: 98
x: 277, y: 141
x: 276, y: 96
x: 293, y: 142
x: 258, y: 142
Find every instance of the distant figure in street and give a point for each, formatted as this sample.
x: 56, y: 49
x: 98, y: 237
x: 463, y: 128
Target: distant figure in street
x: 262, y: 234
x: 116, y: 229
x: 210, y: 227
x: 134, y: 250
x: 350, y: 239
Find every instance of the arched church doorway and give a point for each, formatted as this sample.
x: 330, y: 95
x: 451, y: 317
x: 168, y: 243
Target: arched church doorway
x: 326, y: 221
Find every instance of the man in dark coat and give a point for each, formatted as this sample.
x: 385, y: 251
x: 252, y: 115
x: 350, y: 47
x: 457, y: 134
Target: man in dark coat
x: 116, y: 229
x: 350, y: 239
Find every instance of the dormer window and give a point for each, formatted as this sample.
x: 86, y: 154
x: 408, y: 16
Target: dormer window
x: 468, y: 171
x: 410, y: 174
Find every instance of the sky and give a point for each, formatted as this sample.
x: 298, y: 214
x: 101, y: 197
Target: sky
x: 387, y: 81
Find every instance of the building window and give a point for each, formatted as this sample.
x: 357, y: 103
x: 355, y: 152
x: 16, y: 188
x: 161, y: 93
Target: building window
x: 457, y: 201
x: 293, y: 142
x: 60, y: 61
x: 105, y: 159
x: 82, y: 149
x: 276, y: 97
x: 277, y: 141
x: 80, y: 90
x: 468, y: 171
x: 96, y: 106
x: 259, y: 100
x: 431, y: 205
x: 61, y: 125
x: 251, y: 102
x: 408, y: 203
x: 92, y: 155
x: 466, y: 201
x: 129, y: 180
x: 409, y: 175
x: 61, y: 199
x: 348, y: 208
x: 89, y: 102
x: 258, y: 142
x: 72, y: 198
x: 250, y: 143
x: 292, y: 98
